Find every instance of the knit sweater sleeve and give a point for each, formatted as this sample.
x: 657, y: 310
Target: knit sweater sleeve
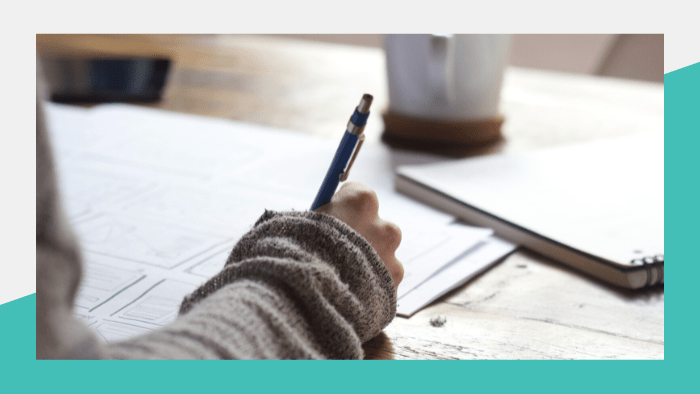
x: 298, y: 285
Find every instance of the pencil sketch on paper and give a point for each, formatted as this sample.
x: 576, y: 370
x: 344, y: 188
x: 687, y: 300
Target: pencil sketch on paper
x: 84, y: 192
x: 211, y: 265
x: 110, y: 331
x: 101, y: 282
x: 158, y: 305
x: 230, y: 212
x: 143, y: 241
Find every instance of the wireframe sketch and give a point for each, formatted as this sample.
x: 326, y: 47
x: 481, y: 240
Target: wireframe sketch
x: 273, y: 175
x: 148, y: 242
x: 232, y: 212
x: 84, y: 192
x: 166, y: 142
x: 158, y: 305
x: 110, y: 332
x: 211, y: 265
x: 102, y: 282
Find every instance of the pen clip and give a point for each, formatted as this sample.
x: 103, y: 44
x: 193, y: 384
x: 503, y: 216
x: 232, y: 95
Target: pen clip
x: 344, y: 174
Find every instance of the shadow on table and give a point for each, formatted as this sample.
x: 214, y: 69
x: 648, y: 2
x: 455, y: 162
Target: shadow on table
x: 379, y: 348
x: 628, y: 294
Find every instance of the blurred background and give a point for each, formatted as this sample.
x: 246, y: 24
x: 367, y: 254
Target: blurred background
x: 557, y: 88
x: 634, y: 56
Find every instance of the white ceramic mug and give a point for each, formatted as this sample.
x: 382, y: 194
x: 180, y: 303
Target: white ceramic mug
x: 446, y: 77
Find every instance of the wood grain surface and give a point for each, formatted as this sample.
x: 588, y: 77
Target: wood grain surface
x: 526, y: 307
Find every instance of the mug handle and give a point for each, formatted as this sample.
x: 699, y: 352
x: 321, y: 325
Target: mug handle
x: 440, y: 68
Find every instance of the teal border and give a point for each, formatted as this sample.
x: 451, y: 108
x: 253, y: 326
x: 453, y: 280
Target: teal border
x: 682, y: 197
x: 22, y: 373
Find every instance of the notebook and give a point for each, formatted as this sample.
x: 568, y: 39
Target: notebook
x: 597, y: 207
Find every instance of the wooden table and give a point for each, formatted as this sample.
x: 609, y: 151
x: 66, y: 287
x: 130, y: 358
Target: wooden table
x: 527, y: 307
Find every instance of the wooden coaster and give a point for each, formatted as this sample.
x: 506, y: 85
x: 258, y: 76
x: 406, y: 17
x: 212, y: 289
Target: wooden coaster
x: 457, y: 139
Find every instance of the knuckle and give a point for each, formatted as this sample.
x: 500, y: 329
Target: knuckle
x: 351, y: 185
x: 396, y: 271
x: 392, y: 234
x: 365, y: 199
x: 369, y: 199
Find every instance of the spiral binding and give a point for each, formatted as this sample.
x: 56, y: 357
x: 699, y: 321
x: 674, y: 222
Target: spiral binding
x: 652, y: 262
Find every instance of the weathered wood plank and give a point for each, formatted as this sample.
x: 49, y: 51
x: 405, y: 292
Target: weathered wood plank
x: 479, y: 335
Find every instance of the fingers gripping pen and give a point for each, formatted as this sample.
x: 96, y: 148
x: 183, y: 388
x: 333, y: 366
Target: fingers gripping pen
x: 346, y: 153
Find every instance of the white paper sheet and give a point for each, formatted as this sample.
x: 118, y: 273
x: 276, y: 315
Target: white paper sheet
x: 158, y: 199
x: 426, y: 252
x: 457, y: 272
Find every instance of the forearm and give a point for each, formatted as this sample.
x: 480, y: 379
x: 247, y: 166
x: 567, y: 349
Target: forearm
x: 299, y: 285
x: 243, y: 320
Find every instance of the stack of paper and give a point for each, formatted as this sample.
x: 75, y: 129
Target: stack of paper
x: 158, y: 200
x: 454, y: 273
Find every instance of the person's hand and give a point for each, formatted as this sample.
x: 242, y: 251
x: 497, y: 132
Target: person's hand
x: 357, y: 206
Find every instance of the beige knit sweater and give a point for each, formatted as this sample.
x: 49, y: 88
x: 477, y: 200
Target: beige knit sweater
x: 298, y: 285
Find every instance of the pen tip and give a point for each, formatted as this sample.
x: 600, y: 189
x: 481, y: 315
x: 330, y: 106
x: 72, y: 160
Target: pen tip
x: 366, y: 101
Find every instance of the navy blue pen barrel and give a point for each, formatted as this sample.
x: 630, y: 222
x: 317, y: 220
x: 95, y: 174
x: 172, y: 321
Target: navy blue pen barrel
x: 340, y: 160
x: 359, y: 119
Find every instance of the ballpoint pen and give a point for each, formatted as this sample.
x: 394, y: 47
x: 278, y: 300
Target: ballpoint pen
x: 346, y: 153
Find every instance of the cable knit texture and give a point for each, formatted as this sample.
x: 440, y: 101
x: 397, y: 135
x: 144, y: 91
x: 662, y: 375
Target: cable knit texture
x: 298, y: 285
